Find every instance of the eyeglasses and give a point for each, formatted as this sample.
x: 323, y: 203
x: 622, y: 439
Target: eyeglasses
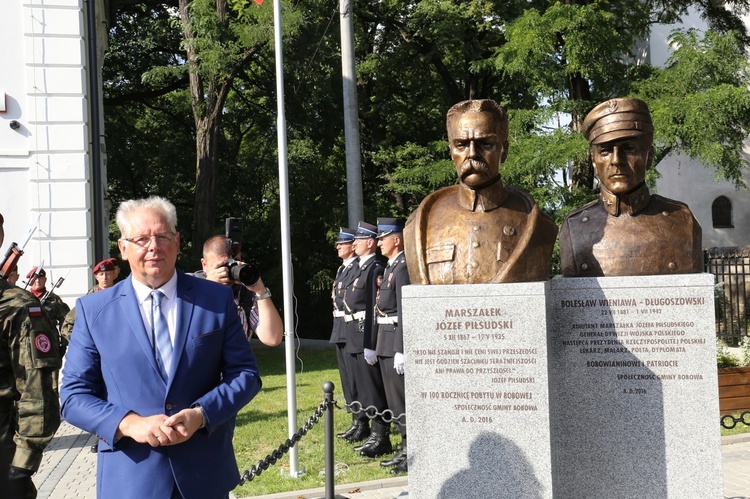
x: 144, y: 241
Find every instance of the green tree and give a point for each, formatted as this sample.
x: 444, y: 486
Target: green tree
x: 576, y: 54
x: 221, y: 38
x: 548, y: 63
x: 700, y: 101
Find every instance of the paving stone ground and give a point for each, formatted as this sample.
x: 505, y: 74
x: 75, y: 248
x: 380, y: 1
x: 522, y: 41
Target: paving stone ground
x: 68, y: 471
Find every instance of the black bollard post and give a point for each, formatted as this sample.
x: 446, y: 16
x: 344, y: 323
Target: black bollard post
x: 328, y: 396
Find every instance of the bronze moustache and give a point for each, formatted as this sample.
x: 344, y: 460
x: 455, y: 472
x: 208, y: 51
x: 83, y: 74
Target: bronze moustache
x: 473, y: 166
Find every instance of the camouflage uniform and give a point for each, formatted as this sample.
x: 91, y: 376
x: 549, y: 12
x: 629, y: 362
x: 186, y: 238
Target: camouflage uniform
x: 29, y: 357
x: 56, y: 309
x: 66, y: 328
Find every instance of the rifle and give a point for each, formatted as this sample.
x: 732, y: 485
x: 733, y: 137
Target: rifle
x: 11, y: 260
x: 54, y: 286
x: 14, y: 253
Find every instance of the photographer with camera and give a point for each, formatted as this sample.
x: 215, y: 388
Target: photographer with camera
x: 253, y: 298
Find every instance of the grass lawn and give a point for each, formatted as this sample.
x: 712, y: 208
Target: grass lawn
x: 262, y: 427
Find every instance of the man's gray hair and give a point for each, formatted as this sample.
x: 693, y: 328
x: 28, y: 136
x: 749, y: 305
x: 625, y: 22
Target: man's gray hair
x: 154, y: 203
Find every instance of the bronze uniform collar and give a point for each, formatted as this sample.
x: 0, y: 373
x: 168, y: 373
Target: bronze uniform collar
x: 486, y: 199
x: 630, y: 203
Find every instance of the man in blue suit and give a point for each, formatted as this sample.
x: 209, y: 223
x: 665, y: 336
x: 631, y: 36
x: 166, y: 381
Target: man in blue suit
x: 158, y: 367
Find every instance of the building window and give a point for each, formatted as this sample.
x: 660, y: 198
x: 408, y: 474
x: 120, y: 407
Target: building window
x: 721, y: 213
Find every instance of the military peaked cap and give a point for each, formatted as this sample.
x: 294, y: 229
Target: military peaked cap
x: 346, y: 235
x: 365, y: 230
x: 389, y: 226
x: 616, y: 119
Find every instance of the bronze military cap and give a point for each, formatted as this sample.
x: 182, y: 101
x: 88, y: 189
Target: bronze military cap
x: 616, y: 119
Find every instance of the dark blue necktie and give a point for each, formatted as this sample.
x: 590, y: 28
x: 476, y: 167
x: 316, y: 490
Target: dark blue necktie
x: 162, y: 341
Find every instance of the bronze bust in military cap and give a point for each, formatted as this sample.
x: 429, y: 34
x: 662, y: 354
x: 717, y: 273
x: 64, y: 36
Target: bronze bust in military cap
x: 481, y: 230
x: 627, y: 230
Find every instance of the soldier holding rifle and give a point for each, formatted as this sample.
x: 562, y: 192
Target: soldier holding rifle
x: 29, y: 358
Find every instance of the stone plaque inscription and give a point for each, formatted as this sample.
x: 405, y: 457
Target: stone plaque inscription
x: 476, y: 376
x: 633, y: 388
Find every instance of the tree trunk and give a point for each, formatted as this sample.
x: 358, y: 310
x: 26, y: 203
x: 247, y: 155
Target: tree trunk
x: 207, y: 132
x: 207, y: 100
x: 582, y: 175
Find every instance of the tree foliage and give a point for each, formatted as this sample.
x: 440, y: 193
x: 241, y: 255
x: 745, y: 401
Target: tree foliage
x: 207, y: 77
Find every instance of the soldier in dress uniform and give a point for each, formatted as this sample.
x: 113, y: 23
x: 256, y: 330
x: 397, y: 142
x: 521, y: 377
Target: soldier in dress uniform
x: 349, y: 265
x: 29, y: 407
x: 627, y: 230
x: 481, y: 230
x: 55, y: 307
x: 359, y: 303
x: 388, y: 329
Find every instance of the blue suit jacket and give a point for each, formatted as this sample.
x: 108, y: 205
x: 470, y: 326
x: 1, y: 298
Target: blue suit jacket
x: 110, y: 370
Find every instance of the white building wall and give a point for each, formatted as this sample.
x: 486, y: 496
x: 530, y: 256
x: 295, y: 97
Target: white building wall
x: 688, y: 180
x: 45, y: 163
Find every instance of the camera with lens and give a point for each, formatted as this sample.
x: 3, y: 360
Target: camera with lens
x: 246, y: 273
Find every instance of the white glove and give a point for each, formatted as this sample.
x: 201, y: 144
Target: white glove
x: 398, y: 362
x: 371, y: 357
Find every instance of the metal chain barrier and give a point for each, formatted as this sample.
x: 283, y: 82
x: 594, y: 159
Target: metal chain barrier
x: 730, y: 421
x: 371, y: 412
x: 272, y: 458
x: 355, y: 407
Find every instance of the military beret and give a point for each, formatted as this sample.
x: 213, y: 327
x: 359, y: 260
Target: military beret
x: 616, y: 119
x: 104, y: 265
x: 346, y: 235
x: 42, y: 273
x: 365, y: 230
x: 389, y: 225
x: 114, y: 262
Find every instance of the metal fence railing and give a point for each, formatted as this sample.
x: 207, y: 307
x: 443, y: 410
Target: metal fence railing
x: 731, y: 268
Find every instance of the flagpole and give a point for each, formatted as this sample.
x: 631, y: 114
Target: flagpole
x: 286, y: 250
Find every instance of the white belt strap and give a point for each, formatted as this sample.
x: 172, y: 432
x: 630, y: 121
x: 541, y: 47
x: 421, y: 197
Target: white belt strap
x: 339, y: 313
x: 355, y: 317
x: 393, y: 319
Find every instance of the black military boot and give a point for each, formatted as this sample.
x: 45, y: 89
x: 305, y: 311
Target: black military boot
x: 349, y: 430
x: 402, y: 467
x: 360, y: 433
x: 401, y: 456
x: 380, y: 441
x: 366, y: 443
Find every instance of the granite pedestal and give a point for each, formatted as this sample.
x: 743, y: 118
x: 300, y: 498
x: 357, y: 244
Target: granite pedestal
x: 477, y: 391
x: 633, y: 384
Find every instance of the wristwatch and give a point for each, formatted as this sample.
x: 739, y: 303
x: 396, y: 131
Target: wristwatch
x: 266, y: 294
x: 204, y: 423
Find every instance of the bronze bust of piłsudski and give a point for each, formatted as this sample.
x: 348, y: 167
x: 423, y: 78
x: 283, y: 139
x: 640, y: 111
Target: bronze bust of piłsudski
x: 627, y: 230
x: 481, y: 230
